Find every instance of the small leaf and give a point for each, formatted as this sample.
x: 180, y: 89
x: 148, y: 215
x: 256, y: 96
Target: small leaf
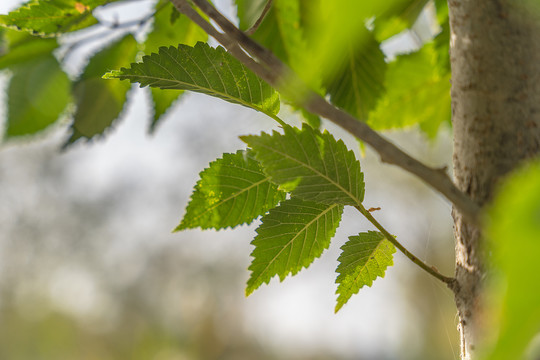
x: 166, y: 32
x: 52, y: 17
x: 100, y: 102
x: 232, y: 191
x: 202, y: 69
x: 290, y: 237
x: 364, y: 258
x: 311, y: 164
x: 358, y: 81
x: 38, y: 93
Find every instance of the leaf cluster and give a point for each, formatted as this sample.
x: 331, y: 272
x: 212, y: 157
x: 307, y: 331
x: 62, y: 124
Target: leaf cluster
x: 298, y: 180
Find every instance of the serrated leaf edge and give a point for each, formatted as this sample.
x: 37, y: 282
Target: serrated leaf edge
x: 251, y: 289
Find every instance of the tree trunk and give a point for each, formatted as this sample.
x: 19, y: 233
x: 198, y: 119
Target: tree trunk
x: 495, y: 59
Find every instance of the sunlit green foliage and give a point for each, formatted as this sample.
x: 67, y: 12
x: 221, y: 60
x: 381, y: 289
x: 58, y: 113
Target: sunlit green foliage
x: 169, y: 28
x: 310, y: 164
x: 202, y: 69
x: 418, y: 92
x: 364, y: 258
x: 19, y: 47
x: 232, y: 191
x: 335, y: 47
x: 291, y: 236
x: 52, y: 17
x: 513, y: 228
x: 100, y: 102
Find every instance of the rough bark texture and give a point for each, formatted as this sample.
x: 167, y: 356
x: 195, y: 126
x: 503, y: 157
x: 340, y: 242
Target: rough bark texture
x: 495, y: 58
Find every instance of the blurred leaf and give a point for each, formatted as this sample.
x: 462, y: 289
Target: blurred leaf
x: 206, y: 70
x: 163, y: 101
x: 358, y: 81
x: 269, y: 35
x: 513, y: 228
x: 364, y: 258
x: 164, y: 33
x: 20, y: 47
x: 100, y: 102
x: 52, y: 17
x: 310, y: 164
x: 290, y: 237
x: 232, y: 191
x: 418, y: 92
x: 399, y: 17
x: 248, y: 11
x: 38, y: 93
x: 441, y: 7
x: 329, y: 44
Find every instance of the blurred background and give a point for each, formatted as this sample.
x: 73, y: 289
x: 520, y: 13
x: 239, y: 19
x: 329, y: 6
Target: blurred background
x: 89, y: 268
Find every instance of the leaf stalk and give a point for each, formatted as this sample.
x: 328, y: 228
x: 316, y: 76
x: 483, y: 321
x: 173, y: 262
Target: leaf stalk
x: 429, y: 269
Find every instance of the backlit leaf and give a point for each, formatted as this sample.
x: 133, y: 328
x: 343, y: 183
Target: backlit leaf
x: 364, y: 258
x: 164, y: 33
x: 418, y: 92
x: 358, y: 81
x: 513, y: 230
x: 203, y: 69
x: 100, y: 102
x: 38, y: 93
x: 20, y: 47
x: 232, y: 191
x: 249, y: 11
x: 290, y: 237
x: 311, y: 164
x: 52, y: 17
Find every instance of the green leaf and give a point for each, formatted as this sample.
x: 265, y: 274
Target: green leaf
x: 358, y: 82
x: 232, y: 191
x: 100, y: 102
x: 418, y: 92
x: 290, y: 237
x: 513, y: 230
x: 52, y: 17
x: 397, y: 18
x: 310, y: 164
x: 248, y: 11
x: 38, y: 93
x: 20, y: 47
x: 364, y: 258
x: 329, y: 44
x: 206, y: 70
x: 163, y: 100
x: 165, y: 32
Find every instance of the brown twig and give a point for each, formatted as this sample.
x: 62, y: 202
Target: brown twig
x: 266, y: 65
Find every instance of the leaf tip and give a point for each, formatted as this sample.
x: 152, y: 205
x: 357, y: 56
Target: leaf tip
x: 113, y: 74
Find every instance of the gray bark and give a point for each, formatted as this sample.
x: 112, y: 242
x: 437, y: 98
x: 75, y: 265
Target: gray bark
x: 495, y: 59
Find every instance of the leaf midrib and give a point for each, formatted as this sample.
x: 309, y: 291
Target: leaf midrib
x: 316, y: 218
x: 231, y: 197
x: 348, y: 193
x: 209, y: 91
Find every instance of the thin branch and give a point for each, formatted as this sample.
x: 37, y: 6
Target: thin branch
x: 429, y: 269
x: 265, y: 11
x: 277, y: 74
